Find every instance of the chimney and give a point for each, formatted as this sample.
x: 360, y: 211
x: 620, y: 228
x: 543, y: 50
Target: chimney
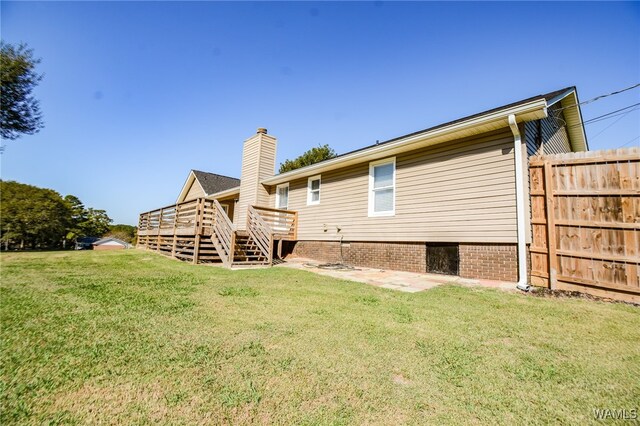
x: 258, y: 163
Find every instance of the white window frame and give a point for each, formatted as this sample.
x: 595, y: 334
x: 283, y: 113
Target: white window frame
x: 372, y: 165
x: 283, y: 185
x: 310, y: 202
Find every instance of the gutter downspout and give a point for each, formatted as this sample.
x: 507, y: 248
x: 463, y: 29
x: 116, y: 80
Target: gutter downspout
x: 522, y: 248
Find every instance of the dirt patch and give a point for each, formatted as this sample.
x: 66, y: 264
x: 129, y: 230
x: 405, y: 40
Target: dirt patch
x: 563, y: 294
x: 399, y: 379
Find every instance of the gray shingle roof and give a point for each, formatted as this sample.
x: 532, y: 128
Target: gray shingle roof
x: 213, y: 183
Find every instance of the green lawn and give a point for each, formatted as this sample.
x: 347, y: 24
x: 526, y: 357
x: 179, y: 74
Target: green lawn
x: 132, y: 337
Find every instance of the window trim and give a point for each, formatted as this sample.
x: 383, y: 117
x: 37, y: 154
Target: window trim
x: 372, y: 165
x: 282, y: 185
x: 310, y: 202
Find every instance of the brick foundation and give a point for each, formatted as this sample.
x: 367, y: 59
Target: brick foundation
x: 479, y: 261
x: 410, y: 257
x: 489, y: 261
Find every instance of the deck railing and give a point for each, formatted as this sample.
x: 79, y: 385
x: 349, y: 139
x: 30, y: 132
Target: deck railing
x: 224, y: 235
x: 260, y: 232
x: 283, y: 223
x: 183, y: 230
x: 188, y: 218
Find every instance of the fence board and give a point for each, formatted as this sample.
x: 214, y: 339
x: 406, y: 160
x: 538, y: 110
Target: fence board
x: 585, y: 215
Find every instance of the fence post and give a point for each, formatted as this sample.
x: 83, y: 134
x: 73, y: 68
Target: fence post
x: 551, y: 226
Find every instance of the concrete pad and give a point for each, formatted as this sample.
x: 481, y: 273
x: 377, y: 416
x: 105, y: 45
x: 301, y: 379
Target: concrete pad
x: 408, y: 282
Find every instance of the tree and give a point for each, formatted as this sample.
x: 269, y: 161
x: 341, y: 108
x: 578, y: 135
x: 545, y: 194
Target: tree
x: 78, y: 215
x: 96, y: 224
x: 126, y: 233
x: 31, y: 216
x: 40, y: 218
x: 85, y: 222
x: 20, y: 111
x: 312, y: 156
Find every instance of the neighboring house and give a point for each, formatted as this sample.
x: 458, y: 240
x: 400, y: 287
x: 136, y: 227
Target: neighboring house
x: 110, y: 244
x: 85, y: 243
x: 453, y: 198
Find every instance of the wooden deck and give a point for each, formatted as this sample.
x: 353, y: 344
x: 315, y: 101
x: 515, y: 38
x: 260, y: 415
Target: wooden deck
x: 201, y: 232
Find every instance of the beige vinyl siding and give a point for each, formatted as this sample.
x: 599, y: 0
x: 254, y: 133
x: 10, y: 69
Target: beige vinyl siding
x: 549, y: 135
x: 266, y: 167
x: 461, y: 191
x: 258, y: 162
x: 195, y: 191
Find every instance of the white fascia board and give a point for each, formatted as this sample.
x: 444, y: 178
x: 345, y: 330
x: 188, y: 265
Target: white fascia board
x: 185, y: 188
x: 525, y: 112
x: 575, y: 125
x: 560, y: 97
x: 225, y: 193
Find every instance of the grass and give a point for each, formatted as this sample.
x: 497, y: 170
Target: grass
x: 132, y: 337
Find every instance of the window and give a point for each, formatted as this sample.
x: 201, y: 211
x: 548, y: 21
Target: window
x: 382, y: 187
x: 313, y: 190
x: 282, y: 196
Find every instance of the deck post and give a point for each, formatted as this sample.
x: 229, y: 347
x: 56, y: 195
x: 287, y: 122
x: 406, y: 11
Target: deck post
x: 295, y: 227
x: 196, y: 249
x: 159, y: 230
x: 232, y: 249
x: 199, y: 216
x: 175, y: 224
x: 270, y: 249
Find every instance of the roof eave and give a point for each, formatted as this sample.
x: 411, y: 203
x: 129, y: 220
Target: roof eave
x: 532, y: 110
x: 225, y: 193
x: 185, y: 188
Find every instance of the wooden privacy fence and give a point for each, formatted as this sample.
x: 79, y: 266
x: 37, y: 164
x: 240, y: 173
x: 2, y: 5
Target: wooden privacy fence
x: 585, y: 215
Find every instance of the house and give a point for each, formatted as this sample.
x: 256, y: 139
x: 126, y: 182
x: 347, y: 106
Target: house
x: 85, y: 243
x: 453, y: 198
x: 110, y: 243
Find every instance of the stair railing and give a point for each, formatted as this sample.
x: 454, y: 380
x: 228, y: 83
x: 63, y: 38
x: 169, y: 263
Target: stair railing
x: 261, y: 233
x: 224, y: 233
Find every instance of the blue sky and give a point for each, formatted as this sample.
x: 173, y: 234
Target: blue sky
x: 136, y: 94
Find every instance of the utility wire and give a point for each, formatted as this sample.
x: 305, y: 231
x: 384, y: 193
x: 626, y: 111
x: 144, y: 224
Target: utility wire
x: 611, y: 116
x: 627, y: 143
x: 609, y: 113
x: 606, y: 116
x: 602, y: 131
x: 600, y: 97
x: 603, y: 119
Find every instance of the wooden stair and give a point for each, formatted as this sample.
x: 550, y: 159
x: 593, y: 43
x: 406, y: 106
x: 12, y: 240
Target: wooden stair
x: 247, y: 252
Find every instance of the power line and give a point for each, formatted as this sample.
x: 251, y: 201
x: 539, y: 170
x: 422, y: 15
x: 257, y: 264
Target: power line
x: 602, y: 131
x: 611, y: 116
x: 603, y: 117
x: 600, y: 97
x: 627, y: 143
x: 609, y: 113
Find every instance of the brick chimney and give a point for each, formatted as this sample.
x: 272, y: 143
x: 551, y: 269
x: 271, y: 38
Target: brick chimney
x: 258, y: 163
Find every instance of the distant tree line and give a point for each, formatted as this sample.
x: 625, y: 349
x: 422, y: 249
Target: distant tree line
x: 40, y: 218
x: 312, y: 156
